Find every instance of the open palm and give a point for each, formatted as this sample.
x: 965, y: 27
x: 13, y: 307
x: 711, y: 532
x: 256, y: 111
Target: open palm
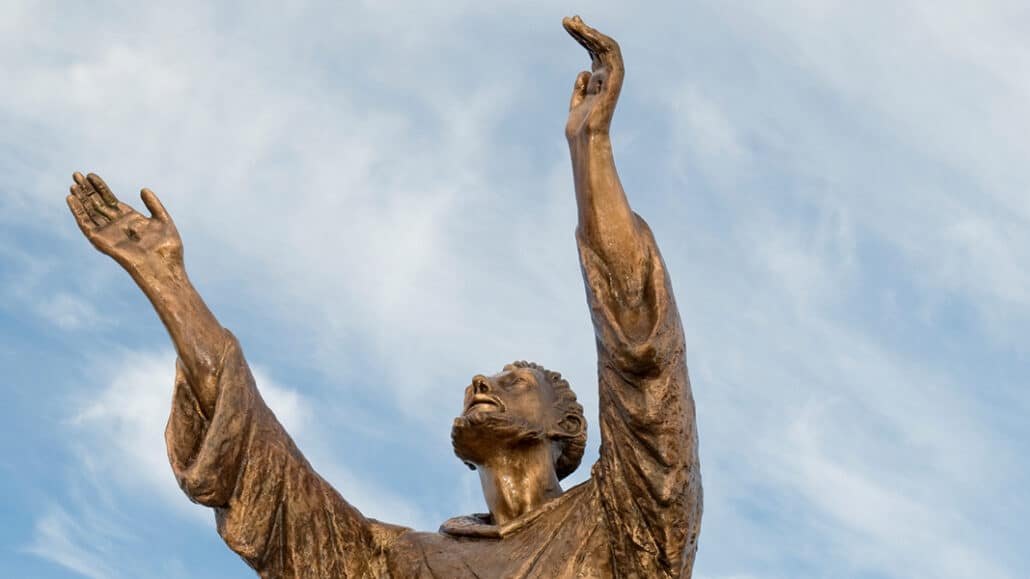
x: 118, y: 230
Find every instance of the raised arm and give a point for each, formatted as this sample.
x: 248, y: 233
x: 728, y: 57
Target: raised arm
x: 151, y: 251
x: 227, y: 449
x: 647, y: 475
x: 606, y: 222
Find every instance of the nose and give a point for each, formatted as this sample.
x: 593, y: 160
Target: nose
x: 480, y: 385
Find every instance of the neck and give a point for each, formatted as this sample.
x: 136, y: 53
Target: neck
x: 519, y: 481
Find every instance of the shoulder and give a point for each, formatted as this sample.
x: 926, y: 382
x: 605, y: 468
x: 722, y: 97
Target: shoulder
x: 384, y: 534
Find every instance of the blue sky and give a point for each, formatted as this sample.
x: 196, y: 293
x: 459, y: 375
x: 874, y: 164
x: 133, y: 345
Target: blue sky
x: 376, y: 198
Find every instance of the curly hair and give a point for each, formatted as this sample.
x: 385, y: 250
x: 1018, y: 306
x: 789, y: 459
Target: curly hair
x: 572, y: 444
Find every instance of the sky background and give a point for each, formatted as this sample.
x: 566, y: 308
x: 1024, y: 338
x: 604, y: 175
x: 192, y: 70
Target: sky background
x: 376, y: 198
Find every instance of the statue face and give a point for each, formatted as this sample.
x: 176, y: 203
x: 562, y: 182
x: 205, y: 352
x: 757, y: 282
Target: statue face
x: 516, y: 406
x: 520, y: 393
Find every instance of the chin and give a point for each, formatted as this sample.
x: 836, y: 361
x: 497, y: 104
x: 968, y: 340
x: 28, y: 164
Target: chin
x: 480, y: 435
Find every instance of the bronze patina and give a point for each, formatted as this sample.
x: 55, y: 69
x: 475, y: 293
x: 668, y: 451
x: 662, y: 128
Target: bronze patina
x: 639, y: 513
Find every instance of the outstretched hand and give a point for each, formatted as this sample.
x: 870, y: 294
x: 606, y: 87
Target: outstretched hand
x: 596, y: 92
x: 136, y: 242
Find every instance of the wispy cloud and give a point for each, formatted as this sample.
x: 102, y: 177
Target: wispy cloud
x: 876, y: 456
x: 62, y: 539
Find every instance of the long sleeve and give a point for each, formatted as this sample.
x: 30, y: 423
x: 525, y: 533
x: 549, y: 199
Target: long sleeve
x: 648, y: 474
x: 271, y: 507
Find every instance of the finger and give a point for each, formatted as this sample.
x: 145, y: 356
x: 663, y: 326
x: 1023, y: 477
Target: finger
x: 102, y: 210
x: 595, y: 42
x: 103, y: 189
x: 598, y: 81
x: 601, y: 43
x: 87, y: 194
x: 157, y: 211
x: 81, y: 216
x: 579, y: 90
x: 608, y: 97
x: 604, y: 53
x: 83, y: 199
x: 574, y: 27
x: 77, y: 189
x: 84, y: 184
x: 78, y: 192
x: 89, y: 198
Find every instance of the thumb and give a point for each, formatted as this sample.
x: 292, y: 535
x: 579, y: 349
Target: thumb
x: 157, y: 211
x: 579, y: 90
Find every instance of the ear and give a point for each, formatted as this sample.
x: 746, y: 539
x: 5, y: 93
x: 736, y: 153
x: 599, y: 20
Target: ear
x: 571, y: 425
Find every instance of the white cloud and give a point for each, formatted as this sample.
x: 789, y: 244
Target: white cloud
x: 703, y: 129
x: 62, y: 539
x: 67, y: 311
x: 896, y: 526
x: 934, y: 165
x: 25, y: 287
x: 878, y: 455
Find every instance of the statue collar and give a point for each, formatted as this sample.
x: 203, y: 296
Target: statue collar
x: 478, y: 525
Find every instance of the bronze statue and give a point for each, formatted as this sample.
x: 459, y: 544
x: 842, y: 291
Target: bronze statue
x: 637, y: 516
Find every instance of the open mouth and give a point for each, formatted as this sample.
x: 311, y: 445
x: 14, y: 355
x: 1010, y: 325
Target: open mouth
x: 482, y: 403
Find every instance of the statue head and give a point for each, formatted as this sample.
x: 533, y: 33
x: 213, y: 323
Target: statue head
x: 524, y: 404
